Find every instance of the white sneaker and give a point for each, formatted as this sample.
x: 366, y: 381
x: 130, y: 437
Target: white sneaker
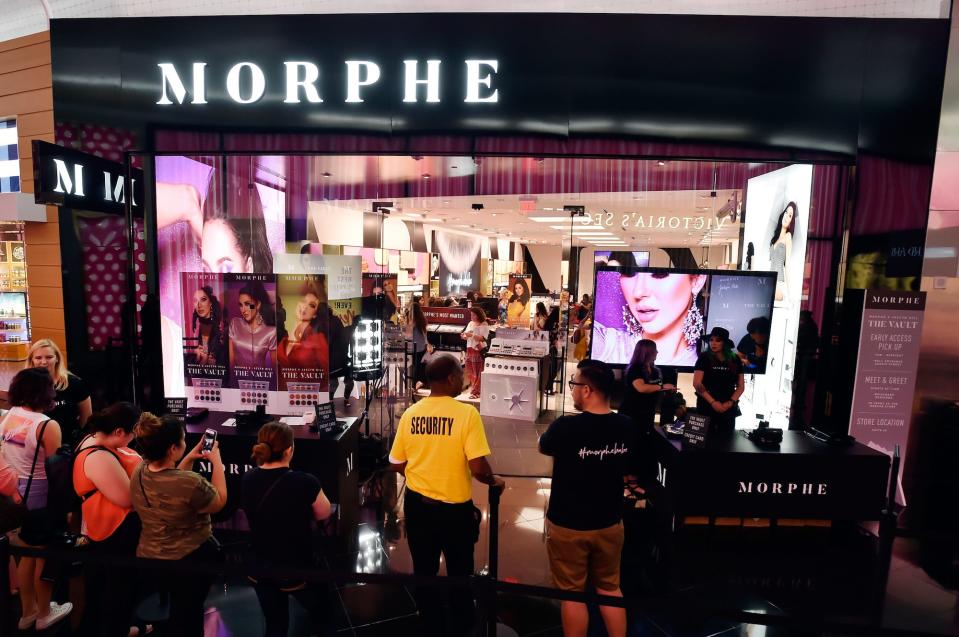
x: 27, y: 621
x: 57, y: 612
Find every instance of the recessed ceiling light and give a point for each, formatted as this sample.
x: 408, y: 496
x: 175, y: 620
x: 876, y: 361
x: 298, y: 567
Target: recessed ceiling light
x: 327, y: 175
x: 549, y: 219
x: 426, y: 175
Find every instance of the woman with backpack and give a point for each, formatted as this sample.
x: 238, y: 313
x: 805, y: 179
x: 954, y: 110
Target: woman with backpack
x: 29, y: 438
x: 101, y: 478
x: 281, y: 505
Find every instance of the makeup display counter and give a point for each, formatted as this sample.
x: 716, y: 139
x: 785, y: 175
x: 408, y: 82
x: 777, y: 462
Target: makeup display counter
x: 802, y: 478
x: 332, y: 458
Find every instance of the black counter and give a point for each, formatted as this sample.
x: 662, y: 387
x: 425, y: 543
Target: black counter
x: 803, y: 478
x: 330, y: 457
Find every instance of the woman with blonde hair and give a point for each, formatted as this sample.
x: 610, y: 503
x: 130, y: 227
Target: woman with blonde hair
x: 72, y: 405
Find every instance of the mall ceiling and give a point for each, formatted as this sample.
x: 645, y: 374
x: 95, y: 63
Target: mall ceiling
x: 23, y: 17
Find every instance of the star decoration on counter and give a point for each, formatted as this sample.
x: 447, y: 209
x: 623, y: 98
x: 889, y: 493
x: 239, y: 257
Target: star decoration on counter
x: 516, y: 400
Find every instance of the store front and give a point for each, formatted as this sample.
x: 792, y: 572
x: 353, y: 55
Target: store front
x: 523, y: 158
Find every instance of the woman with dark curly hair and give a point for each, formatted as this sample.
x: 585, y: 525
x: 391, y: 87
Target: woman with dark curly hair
x: 207, y: 324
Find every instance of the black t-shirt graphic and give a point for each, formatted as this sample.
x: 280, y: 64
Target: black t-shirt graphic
x: 589, y: 461
x: 719, y: 376
x: 281, y: 526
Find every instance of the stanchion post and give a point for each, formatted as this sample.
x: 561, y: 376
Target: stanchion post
x: 887, y: 536
x: 494, y: 495
x: 6, y: 618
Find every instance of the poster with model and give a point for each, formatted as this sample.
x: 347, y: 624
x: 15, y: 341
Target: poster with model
x: 303, y: 342
x: 459, y: 262
x: 518, y: 304
x: 774, y: 238
x: 214, y: 215
x: 252, y: 334
x: 379, y: 299
x: 205, y: 342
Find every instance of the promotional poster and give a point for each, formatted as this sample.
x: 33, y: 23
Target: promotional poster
x: 379, y: 297
x: 303, y: 352
x: 774, y: 239
x: 210, y: 219
x: 459, y: 262
x: 205, y: 346
x: 252, y: 334
x: 886, y: 372
x: 520, y: 301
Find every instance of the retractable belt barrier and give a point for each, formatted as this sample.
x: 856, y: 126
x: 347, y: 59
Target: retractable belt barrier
x: 485, y: 587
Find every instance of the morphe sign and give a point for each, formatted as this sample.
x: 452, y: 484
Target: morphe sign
x: 67, y: 177
x: 246, y: 82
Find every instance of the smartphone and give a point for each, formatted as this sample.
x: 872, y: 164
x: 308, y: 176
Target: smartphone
x: 209, y: 437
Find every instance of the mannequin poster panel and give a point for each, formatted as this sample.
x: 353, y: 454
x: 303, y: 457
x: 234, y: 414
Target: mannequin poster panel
x: 303, y: 333
x: 520, y: 299
x: 252, y: 331
x: 205, y: 346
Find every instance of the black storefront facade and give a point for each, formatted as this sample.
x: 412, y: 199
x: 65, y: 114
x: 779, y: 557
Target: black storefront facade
x: 828, y: 92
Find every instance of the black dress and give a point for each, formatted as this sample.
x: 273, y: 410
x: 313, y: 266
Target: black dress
x: 720, y: 378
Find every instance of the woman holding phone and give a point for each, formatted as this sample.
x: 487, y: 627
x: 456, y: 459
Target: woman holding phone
x: 174, y: 504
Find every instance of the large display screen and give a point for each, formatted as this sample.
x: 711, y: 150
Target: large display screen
x: 676, y: 309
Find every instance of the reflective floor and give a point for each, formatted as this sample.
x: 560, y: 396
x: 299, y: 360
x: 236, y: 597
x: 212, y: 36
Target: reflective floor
x: 698, y: 582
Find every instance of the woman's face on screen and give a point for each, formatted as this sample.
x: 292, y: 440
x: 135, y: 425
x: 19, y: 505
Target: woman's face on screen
x: 658, y: 300
x: 307, y: 307
x: 219, y: 250
x: 202, y: 304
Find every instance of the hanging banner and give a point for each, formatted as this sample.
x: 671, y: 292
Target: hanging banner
x: 886, y: 372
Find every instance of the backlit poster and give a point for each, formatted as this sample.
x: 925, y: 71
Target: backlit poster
x: 252, y: 334
x: 205, y: 342
x: 459, y: 262
x: 303, y: 332
x: 519, y: 302
x: 776, y: 226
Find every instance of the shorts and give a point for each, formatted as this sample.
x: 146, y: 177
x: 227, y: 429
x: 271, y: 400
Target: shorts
x: 578, y: 557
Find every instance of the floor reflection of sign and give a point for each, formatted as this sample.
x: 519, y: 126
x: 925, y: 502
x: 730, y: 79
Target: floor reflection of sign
x: 696, y: 430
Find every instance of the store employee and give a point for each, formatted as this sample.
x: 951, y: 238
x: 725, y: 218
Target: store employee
x: 718, y: 380
x: 440, y: 447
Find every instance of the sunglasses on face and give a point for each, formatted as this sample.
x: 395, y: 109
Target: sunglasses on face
x: 573, y: 384
x: 247, y: 304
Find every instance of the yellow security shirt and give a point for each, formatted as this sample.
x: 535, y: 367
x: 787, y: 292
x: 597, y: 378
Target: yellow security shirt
x: 437, y: 437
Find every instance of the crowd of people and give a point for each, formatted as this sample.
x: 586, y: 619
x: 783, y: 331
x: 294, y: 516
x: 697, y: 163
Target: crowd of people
x: 137, y: 493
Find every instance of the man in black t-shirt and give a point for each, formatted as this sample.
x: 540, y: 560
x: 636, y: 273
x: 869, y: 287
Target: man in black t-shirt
x: 585, y: 536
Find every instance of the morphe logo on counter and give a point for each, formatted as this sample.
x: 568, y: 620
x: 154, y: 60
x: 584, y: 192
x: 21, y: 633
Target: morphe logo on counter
x: 784, y: 488
x: 246, y: 82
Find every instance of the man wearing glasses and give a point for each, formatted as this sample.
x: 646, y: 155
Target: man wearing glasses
x: 585, y: 534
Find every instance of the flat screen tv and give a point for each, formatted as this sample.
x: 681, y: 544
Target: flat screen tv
x: 676, y: 309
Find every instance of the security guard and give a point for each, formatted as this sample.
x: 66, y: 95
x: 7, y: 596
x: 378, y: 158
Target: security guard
x: 440, y: 446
